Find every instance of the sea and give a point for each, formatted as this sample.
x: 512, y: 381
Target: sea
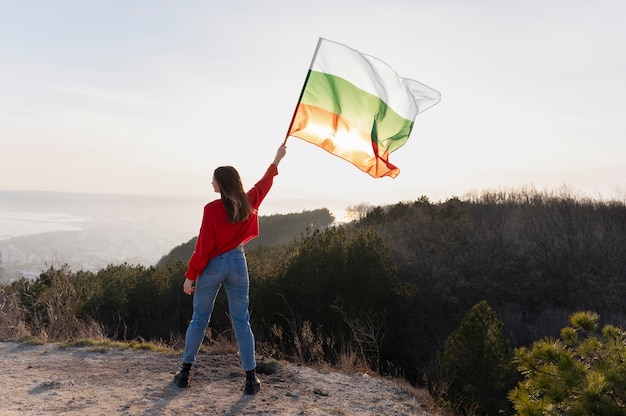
x: 34, y: 212
x: 15, y: 223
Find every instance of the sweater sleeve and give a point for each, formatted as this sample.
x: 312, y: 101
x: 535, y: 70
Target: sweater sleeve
x: 204, y: 246
x: 262, y: 187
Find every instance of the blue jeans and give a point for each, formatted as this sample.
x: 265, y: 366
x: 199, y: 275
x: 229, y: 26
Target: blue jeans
x: 231, y: 270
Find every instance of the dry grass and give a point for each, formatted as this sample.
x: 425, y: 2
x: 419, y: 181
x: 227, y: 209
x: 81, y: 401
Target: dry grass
x: 12, y: 324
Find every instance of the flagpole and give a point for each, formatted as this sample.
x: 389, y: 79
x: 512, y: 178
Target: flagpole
x: 293, y: 117
x: 295, y: 111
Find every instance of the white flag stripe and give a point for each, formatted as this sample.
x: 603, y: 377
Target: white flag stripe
x: 405, y: 96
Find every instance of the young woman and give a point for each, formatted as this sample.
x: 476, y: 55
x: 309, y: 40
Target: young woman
x: 218, y: 259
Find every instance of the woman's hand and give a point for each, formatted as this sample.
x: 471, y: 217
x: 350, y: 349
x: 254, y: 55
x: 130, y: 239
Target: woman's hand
x: 189, y: 286
x: 280, y: 153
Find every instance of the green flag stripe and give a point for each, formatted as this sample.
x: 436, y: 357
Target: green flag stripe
x: 367, y: 111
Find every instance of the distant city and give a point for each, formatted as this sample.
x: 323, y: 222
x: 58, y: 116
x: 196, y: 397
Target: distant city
x: 89, y: 232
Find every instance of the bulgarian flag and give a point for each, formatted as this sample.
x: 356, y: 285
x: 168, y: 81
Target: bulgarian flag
x: 358, y: 108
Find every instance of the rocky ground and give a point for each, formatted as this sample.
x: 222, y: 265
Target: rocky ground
x: 48, y: 380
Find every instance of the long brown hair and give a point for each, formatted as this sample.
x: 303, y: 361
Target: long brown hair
x: 234, y: 197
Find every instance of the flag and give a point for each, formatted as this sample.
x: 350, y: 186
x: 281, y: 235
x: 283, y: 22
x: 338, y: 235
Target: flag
x: 358, y: 108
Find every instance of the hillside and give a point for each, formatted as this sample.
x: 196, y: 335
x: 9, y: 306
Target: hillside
x: 273, y: 229
x: 48, y: 379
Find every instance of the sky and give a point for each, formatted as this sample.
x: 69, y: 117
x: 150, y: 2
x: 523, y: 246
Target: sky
x: 149, y: 96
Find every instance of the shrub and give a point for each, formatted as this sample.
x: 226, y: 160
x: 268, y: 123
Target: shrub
x: 476, y: 365
x: 11, y: 315
x: 583, y: 373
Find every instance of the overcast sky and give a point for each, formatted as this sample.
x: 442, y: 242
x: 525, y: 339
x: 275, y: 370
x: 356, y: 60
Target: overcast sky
x: 149, y: 96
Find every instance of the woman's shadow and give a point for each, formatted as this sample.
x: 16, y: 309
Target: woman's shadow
x: 171, y: 391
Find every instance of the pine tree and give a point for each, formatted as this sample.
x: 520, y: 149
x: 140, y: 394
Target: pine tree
x: 477, y: 364
x: 583, y: 373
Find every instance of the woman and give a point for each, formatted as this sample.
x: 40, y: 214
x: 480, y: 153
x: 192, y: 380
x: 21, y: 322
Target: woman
x: 218, y: 259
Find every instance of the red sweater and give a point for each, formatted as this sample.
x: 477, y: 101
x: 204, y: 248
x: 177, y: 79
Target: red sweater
x: 218, y: 236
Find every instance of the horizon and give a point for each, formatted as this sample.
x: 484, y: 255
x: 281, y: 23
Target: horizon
x: 271, y: 206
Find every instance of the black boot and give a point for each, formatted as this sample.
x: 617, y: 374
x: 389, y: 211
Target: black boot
x: 181, y: 378
x: 253, y: 385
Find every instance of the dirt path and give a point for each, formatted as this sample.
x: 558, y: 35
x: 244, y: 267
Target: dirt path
x: 49, y: 380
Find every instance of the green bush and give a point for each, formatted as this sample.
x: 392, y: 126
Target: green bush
x: 476, y: 367
x: 583, y: 373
